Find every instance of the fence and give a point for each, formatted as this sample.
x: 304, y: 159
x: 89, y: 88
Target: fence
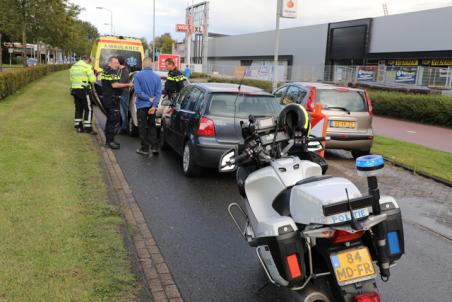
x: 378, y: 75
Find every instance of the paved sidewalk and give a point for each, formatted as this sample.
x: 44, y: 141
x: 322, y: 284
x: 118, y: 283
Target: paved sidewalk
x: 157, y: 275
x: 425, y: 135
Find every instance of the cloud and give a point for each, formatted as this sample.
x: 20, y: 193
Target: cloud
x: 134, y: 17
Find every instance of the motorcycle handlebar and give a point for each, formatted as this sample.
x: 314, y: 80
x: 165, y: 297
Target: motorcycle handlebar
x: 241, y: 157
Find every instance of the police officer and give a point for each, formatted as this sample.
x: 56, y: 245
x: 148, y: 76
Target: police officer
x: 111, y: 93
x: 82, y: 76
x: 175, y: 80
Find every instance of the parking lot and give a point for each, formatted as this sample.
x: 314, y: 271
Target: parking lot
x: 210, y: 260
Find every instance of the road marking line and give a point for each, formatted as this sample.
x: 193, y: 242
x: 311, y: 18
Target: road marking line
x: 409, y: 131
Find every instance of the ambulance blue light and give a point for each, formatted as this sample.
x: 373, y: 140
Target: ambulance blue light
x: 370, y: 162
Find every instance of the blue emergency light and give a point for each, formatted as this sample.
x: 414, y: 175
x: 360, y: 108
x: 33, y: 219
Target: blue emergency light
x: 370, y: 163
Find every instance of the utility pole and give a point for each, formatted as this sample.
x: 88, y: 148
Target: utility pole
x: 275, y: 61
x: 153, y: 33
x: 189, y: 21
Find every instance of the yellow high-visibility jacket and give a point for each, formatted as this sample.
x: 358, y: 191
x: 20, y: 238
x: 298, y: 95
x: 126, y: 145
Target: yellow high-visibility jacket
x: 81, y: 75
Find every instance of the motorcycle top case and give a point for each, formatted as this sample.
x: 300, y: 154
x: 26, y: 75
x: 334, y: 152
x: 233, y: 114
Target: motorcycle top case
x: 394, y: 226
x: 309, y: 198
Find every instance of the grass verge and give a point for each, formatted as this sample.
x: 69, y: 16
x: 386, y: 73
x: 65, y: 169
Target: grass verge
x: 418, y: 158
x: 60, y: 237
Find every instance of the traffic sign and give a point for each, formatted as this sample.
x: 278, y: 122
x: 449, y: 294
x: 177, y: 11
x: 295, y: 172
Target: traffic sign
x: 163, y: 57
x: 10, y: 50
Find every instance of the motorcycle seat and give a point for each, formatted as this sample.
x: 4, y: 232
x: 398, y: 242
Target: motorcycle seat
x: 281, y: 204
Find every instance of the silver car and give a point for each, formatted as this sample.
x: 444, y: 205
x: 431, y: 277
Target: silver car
x: 349, y: 112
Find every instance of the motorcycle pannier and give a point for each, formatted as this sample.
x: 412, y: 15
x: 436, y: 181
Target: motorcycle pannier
x: 395, y: 238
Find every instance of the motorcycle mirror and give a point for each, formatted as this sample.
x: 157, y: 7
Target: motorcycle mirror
x: 227, y: 163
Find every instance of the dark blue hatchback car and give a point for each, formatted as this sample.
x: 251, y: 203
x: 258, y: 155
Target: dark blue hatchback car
x: 204, y: 121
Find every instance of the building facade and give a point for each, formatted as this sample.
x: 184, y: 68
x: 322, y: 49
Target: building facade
x: 415, y: 39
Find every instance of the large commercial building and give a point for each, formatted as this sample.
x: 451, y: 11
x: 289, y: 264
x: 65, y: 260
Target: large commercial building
x: 412, y: 39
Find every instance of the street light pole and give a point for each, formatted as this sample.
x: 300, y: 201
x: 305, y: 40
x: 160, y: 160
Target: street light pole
x: 275, y: 61
x: 111, y: 17
x: 153, y: 31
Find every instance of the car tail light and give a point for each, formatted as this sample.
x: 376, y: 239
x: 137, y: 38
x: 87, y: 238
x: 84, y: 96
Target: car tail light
x: 368, y: 297
x: 206, y: 127
x: 344, y: 236
x: 311, y: 100
x: 294, y: 267
x: 369, y: 102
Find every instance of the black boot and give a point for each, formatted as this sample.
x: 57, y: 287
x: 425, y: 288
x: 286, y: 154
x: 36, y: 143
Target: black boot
x: 113, y: 145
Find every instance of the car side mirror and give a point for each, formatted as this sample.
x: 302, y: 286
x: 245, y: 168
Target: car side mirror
x: 227, y: 162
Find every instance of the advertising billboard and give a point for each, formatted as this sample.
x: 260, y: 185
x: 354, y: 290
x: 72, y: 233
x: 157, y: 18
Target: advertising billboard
x: 406, y: 75
x: 163, y: 57
x: 289, y: 8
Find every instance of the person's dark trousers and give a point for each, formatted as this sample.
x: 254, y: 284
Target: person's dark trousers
x: 124, y: 112
x: 79, y: 102
x: 83, y: 110
x: 147, y: 130
x: 88, y: 113
x: 111, y: 106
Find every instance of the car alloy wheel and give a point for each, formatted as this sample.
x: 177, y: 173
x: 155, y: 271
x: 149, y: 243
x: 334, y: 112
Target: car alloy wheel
x: 186, y: 158
x: 189, y: 166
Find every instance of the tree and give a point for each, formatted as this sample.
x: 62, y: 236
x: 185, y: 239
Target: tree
x: 53, y: 22
x: 145, y: 44
x: 164, y: 43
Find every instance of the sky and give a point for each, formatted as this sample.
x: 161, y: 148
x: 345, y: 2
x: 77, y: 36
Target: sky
x: 134, y: 17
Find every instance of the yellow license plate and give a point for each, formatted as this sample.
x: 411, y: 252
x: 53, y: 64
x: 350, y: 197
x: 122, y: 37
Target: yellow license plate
x: 353, y: 265
x: 343, y: 124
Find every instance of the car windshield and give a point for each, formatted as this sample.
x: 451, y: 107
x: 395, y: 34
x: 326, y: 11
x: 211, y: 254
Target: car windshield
x: 222, y: 104
x: 133, y: 58
x: 352, y: 101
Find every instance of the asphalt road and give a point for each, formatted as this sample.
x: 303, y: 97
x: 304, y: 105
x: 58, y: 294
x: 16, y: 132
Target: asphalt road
x: 211, y: 262
x: 426, y: 135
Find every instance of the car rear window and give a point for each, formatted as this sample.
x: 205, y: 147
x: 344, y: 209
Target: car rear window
x: 353, y: 101
x: 222, y: 104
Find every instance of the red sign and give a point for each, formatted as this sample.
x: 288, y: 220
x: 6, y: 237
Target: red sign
x: 163, y: 57
x: 183, y: 27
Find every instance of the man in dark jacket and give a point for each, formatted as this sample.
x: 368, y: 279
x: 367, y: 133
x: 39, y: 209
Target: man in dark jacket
x: 124, y: 103
x: 112, y: 91
x: 175, y: 80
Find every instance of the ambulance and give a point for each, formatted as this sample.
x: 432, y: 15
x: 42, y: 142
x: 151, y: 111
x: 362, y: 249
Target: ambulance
x: 105, y: 47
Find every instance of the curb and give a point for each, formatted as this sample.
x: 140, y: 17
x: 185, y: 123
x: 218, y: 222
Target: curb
x: 423, y: 174
x: 157, y: 276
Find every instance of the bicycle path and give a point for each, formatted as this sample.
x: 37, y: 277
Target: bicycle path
x: 426, y: 135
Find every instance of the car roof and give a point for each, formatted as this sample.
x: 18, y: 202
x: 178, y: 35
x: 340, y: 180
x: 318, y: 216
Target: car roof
x: 228, y: 87
x: 324, y: 86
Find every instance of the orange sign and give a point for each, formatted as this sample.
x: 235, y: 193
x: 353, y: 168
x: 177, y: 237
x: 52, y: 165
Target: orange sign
x: 184, y: 27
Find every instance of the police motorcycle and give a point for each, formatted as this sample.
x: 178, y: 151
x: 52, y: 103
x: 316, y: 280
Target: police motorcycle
x: 314, y: 234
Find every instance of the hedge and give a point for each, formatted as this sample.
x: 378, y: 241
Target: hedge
x: 266, y: 85
x: 420, y: 108
x: 426, y: 109
x: 13, y: 80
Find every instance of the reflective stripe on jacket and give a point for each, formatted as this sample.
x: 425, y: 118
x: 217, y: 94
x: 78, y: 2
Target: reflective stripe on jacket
x: 81, y: 75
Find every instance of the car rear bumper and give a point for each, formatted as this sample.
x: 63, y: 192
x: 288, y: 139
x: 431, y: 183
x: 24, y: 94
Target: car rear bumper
x: 362, y: 142
x: 208, y: 156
